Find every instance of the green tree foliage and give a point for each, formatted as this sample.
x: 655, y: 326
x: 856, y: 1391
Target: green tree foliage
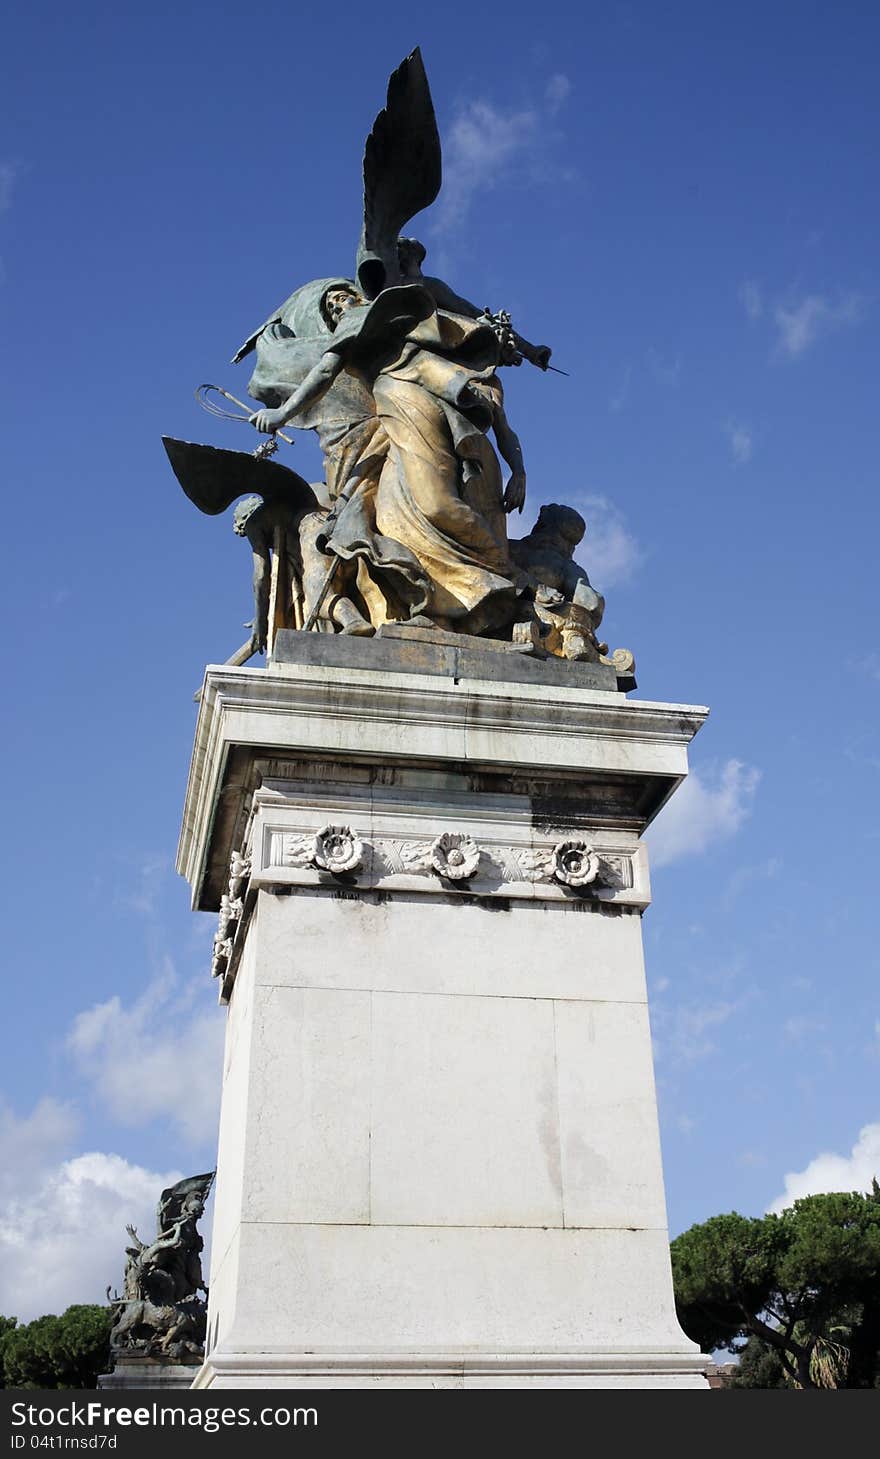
x: 56, y: 1352
x: 760, y: 1366
x: 802, y: 1287
x: 7, y: 1325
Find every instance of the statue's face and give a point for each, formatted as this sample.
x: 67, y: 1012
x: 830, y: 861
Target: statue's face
x: 337, y: 301
x: 243, y: 513
x: 410, y: 255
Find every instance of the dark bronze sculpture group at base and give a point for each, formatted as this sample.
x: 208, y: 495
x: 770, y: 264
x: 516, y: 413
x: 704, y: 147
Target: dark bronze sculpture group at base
x: 161, y: 1313
x: 399, y: 377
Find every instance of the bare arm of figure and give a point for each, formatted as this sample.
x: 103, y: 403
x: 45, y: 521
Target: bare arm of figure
x: 446, y: 298
x: 262, y: 581
x: 317, y: 383
x: 511, y: 451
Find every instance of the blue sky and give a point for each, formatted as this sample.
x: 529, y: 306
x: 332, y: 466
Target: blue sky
x: 682, y: 200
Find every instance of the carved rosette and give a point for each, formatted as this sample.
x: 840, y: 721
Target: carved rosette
x: 338, y: 849
x: 455, y: 856
x: 575, y: 863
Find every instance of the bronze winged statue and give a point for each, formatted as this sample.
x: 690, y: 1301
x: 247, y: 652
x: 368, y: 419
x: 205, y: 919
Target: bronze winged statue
x: 400, y: 378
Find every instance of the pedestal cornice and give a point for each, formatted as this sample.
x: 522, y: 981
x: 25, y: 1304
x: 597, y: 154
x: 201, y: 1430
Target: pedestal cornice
x: 545, y: 741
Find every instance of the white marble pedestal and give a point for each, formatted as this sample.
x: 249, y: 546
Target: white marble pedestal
x: 439, y: 1163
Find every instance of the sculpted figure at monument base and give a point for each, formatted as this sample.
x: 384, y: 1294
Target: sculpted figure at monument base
x: 161, y: 1313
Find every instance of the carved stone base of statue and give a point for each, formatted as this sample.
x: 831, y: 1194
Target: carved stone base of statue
x: 140, y: 1372
x: 439, y: 1163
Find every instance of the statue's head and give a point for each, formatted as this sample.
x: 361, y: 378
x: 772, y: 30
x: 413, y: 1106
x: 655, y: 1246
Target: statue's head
x: 410, y: 255
x: 243, y: 513
x: 563, y: 523
x: 337, y: 300
x: 193, y: 1205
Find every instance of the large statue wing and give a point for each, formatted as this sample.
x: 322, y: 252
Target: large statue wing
x: 214, y: 478
x: 402, y: 172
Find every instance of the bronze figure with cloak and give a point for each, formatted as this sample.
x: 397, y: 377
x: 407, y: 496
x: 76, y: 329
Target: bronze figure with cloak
x: 399, y: 377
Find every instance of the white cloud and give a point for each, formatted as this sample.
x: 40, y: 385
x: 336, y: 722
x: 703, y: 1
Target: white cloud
x: 609, y: 551
x: 26, y: 1144
x: 740, y: 441
x: 482, y: 143
x: 487, y: 144
x: 62, y: 1238
x: 706, y: 808
x: 829, y: 1172
x: 158, y: 1057
x: 800, y: 324
x: 751, y: 299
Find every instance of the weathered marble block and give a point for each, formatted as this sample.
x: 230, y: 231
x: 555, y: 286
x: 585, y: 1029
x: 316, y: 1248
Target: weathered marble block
x: 439, y: 1162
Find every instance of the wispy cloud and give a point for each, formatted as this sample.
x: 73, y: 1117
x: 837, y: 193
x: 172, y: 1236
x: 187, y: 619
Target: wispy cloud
x: 707, y: 808
x: 740, y: 441
x: 801, y: 323
x: 684, y: 1035
x: 9, y: 173
x: 666, y: 370
x: 830, y: 1172
x: 487, y: 144
x: 751, y: 1158
x: 752, y: 300
x: 746, y: 876
x: 799, y: 1027
x: 620, y: 396
x: 144, y: 895
x: 557, y: 91
x: 171, y: 1040
x: 610, y: 552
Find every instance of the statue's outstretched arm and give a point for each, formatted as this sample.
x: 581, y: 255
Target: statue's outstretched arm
x: 317, y: 383
x: 446, y: 298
